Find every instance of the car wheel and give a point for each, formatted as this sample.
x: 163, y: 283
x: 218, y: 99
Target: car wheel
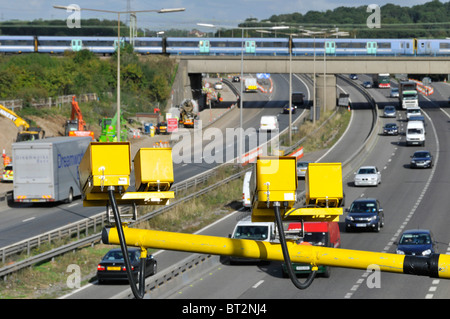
x: 378, y: 228
x: 327, y: 272
x: 70, y: 197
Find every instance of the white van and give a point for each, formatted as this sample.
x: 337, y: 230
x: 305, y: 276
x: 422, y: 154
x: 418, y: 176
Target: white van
x: 268, y: 123
x: 412, y: 111
x: 246, y: 229
x: 415, y: 133
x: 246, y: 200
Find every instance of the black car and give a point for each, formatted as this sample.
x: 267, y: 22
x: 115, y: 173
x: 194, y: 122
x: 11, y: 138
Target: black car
x: 286, y: 109
x: 390, y: 129
x: 418, y: 242
x: 421, y: 159
x: 365, y: 213
x: 353, y: 77
x: 367, y: 84
x: 112, y: 265
x: 161, y: 128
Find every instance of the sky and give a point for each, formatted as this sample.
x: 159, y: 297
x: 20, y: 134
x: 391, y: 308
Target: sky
x: 225, y: 13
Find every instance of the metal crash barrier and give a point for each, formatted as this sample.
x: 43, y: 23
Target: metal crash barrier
x: 105, y: 179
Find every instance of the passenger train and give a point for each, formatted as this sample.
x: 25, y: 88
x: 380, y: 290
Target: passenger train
x: 230, y: 46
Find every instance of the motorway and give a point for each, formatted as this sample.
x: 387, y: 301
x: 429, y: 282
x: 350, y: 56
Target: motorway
x: 410, y: 198
x: 263, y: 104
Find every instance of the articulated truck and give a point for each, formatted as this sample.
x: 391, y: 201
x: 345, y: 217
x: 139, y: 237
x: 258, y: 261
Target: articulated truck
x: 47, y: 170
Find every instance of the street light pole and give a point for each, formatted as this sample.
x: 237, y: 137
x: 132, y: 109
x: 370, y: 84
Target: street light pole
x: 118, y: 45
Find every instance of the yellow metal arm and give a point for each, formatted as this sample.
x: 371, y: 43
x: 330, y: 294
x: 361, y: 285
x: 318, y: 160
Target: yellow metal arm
x: 436, y: 266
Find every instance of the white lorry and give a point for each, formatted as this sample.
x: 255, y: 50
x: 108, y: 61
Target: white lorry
x: 408, y: 95
x: 47, y: 170
x: 250, y: 85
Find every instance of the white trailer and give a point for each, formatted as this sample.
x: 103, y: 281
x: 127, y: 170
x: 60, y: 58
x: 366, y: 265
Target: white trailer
x: 47, y: 170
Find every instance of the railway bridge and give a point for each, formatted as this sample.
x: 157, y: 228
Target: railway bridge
x: 325, y: 67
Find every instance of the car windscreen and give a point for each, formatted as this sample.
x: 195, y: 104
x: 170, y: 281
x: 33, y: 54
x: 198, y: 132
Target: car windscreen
x: 366, y: 171
x: 363, y: 207
x: 315, y: 238
x: 415, y: 239
x: 422, y: 154
x: 117, y: 255
x: 251, y: 232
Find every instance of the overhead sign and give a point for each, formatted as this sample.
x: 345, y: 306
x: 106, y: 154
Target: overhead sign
x: 262, y: 75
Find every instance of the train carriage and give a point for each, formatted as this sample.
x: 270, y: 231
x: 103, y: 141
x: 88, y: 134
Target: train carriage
x: 349, y: 47
x: 57, y: 44
x: 227, y: 46
x: 17, y: 44
x: 433, y: 47
x: 149, y: 45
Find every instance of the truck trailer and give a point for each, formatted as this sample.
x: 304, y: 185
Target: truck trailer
x: 47, y: 170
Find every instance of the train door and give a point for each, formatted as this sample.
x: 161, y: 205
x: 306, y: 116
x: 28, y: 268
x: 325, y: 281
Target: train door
x: 406, y: 48
x: 204, y: 46
x: 122, y: 44
x: 76, y: 45
x: 330, y: 47
x: 250, y: 47
x: 371, y: 47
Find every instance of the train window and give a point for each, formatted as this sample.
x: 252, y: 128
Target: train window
x: 350, y: 45
x: 444, y: 45
x: 385, y: 45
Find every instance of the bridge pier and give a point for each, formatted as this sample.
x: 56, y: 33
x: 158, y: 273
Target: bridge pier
x: 326, y: 92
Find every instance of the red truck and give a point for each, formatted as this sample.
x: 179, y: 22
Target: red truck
x: 318, y: 234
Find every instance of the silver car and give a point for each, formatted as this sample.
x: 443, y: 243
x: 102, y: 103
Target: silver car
x: 389, y: 111
x: 394, y: 92
x: 302, y: 167
x: 367, y: 176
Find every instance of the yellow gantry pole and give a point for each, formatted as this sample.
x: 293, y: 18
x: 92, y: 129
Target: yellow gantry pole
x: 436, y: 266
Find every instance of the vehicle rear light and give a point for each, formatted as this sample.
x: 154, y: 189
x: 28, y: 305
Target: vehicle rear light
x: 125, y: 268
x: 100, y: 267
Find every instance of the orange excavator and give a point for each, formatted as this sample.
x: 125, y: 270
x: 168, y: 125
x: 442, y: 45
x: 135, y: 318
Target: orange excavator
x: 76, y: 126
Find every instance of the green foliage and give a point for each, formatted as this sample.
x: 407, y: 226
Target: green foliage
x: 431, y: 19
x: 143, y: 83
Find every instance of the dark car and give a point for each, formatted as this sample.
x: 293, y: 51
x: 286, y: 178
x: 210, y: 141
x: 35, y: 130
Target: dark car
x: 367, y: 84
x: 364, y: 213
x: 421, y: 159
x: 419, y: 242
x: 353, y: 77
x: 286, y: 109
x: 112, y: 265
x: 161, y: 128
x: 390, y: 129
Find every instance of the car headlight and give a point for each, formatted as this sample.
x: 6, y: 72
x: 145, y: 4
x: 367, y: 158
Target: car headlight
x: 400, y: 252
x: 413, y: 161
x: 349, y: 218
x: 426, y: 252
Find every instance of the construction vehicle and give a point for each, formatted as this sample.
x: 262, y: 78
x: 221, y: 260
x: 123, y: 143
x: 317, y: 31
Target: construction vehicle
x: 76, y: 126
x: 188, y: 112
x: 106, y: 179
x: 109, y: 130
x: 26, y: 133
